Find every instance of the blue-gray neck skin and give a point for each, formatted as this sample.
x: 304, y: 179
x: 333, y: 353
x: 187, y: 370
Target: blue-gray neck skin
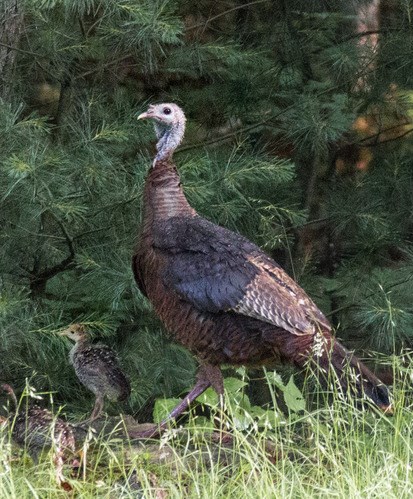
x: 169, y: 138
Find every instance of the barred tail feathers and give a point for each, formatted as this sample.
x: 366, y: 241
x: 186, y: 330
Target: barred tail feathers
x: 330, y: 360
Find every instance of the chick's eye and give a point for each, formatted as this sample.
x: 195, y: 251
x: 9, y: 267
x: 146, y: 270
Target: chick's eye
x: 167, y: 110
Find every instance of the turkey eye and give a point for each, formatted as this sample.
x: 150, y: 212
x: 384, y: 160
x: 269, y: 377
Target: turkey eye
x: 167, y: 110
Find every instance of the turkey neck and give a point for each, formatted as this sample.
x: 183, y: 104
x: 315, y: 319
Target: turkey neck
x: 79, y: 344
x: 163, y: 194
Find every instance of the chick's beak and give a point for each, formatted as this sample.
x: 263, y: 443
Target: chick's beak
x: 64, y: 332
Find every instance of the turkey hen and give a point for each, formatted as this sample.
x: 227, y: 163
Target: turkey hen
x: 220, y: 295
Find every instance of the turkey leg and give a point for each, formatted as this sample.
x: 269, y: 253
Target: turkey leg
x: 98, y: 408
x: 208, y: 375
x: 97, y: 411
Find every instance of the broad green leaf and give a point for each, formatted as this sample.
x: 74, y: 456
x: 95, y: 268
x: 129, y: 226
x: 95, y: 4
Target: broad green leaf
x: 293, y: 397
x: 163, y: 407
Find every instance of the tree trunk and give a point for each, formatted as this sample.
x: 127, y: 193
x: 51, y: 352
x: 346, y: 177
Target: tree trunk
x: 11, y: 21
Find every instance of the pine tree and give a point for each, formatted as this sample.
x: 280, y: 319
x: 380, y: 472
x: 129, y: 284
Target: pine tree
x: 282, y: 101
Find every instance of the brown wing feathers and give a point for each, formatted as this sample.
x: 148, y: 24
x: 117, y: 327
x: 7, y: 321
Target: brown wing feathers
x: 218, y: 270
x: 274, y: 297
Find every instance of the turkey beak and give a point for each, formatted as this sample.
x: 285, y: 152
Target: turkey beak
x: 145, y: 115
x: 150, y: 113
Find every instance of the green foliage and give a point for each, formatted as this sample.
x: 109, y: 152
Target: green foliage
x: 314, y: 123
x: 368, y: 454
x: 244, y: 415
x: 271, y: 91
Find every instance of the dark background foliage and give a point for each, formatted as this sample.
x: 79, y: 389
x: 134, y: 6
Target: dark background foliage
x: 298, y: 137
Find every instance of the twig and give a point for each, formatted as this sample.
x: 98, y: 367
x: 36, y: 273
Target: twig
x: 91, y: 231
x: 27, y: 52
x: 112, y: 205
x: 68, y: 238
x: 231, y: 134
x: 377, y: 142
x: 82, y: 27
x: 102, y: 66
x: 367, y: 33
x: 93, y: 25
x: 204, y: 24
x: 38, y: 279
x: 49, y: 272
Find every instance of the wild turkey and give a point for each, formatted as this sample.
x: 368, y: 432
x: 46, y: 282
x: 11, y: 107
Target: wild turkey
x: 97, y: 368
x: 36, y: 428
x: 220, y: 295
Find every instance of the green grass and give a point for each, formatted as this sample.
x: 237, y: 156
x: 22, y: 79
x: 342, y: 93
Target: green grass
x: 336, y: 450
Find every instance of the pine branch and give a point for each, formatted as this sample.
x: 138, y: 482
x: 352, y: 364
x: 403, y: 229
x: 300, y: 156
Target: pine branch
x: 27, y: 52
x: 34, y: 54
x: 38, y: 279
x: 213, y: 18
x: 355, y: 305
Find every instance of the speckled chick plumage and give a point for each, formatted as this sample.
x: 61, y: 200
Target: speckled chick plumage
x: 36, y: 428
x: 97, y: 367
